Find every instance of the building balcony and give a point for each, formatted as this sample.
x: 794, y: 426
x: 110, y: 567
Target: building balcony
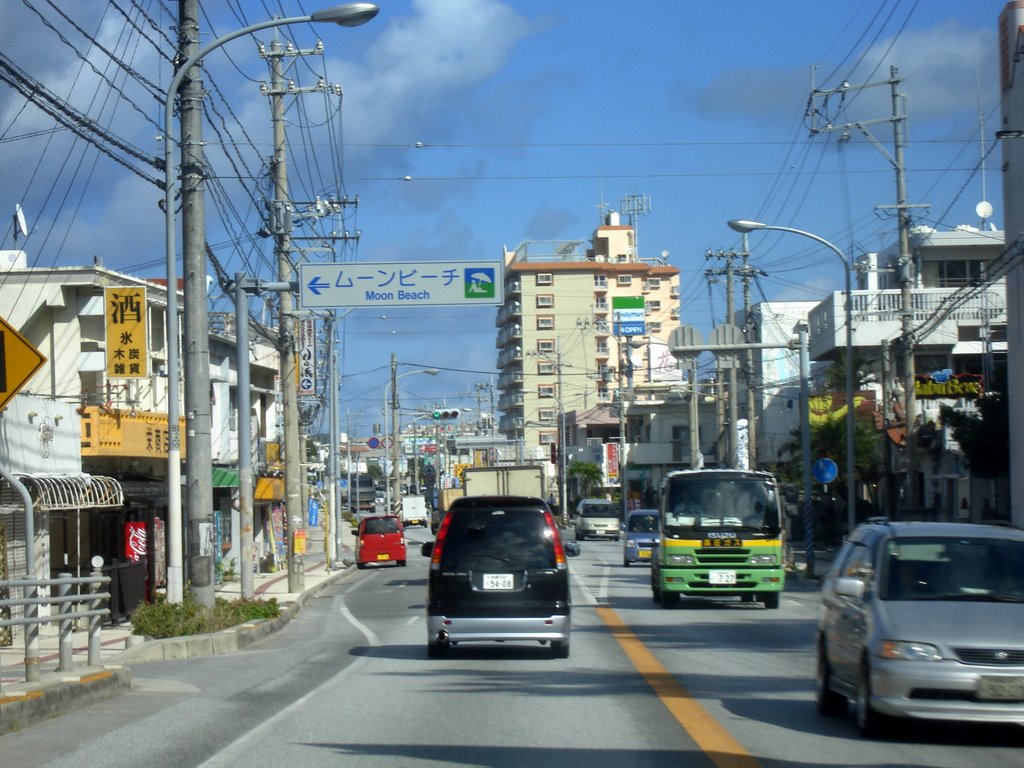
x: 877, y: 316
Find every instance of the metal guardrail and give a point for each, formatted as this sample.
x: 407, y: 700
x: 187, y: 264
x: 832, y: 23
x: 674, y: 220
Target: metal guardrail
x: 71, y: 606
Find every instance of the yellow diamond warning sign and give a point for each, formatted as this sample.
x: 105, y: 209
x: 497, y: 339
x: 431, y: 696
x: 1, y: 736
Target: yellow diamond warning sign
x: 18, y: 361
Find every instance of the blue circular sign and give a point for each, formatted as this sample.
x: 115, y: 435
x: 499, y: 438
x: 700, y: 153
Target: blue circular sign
x: 824, y: 470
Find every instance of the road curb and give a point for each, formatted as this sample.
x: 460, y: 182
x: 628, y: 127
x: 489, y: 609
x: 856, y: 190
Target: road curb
x: 62, y: 695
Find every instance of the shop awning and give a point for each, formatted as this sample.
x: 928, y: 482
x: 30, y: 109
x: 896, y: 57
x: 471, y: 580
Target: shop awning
x: 269, y: 489
x: 225, y: 478
x: 58, y: 492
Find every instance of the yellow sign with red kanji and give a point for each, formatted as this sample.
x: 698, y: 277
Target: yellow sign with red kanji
x: 127, y: 332
x: 18, y: 361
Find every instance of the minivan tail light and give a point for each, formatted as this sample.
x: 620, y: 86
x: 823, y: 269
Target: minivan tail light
x: 435, y: 553
x: 556, y: 537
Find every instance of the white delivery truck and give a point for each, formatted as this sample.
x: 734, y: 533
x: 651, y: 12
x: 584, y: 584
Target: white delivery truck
x: 512, y: 480
x: 414, y: 511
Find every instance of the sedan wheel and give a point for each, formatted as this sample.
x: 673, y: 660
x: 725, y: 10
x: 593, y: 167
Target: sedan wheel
x: 830, y: 703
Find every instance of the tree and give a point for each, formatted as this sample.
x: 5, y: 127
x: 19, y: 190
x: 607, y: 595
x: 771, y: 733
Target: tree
x: 984, y: 437
x: 586, y: 475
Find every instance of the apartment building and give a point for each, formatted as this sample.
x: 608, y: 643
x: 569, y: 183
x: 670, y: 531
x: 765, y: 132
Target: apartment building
x: 558, y: 350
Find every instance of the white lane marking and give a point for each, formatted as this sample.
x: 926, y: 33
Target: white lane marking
x: 237, y: 751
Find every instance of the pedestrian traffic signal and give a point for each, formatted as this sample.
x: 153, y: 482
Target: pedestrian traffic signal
x: 446, y: 414
x: 554, y: 453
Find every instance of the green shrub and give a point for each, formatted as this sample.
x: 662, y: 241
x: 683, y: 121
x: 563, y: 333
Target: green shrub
x: 163, y: 619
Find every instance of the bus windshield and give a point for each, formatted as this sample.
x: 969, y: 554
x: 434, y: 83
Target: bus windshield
x: 735, y: 502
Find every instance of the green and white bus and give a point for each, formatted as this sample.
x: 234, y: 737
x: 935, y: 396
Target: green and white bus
x: 721, y: 535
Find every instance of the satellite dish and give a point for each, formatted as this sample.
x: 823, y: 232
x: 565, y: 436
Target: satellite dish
x: 983, y: 209
x: 19, y: 222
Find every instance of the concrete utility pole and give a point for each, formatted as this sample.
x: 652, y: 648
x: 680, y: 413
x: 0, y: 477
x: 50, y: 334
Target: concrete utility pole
x: 732, y: 439
x: 198, y: 477
x: 281, y: 228
x: 823, y: 122
x: 747, y: 274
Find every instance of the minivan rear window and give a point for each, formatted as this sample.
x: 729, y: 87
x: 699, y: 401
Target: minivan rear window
x: 488, y: 539
x: 600, y: 510
x: 380, y: 525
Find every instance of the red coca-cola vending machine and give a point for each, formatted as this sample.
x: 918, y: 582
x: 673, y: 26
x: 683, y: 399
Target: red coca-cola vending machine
x: 135, y: 541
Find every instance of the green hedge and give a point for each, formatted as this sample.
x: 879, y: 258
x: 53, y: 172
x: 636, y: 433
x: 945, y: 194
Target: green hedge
x: 163, y: 619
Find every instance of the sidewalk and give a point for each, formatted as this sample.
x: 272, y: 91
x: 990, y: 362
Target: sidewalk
x: 22, y: 703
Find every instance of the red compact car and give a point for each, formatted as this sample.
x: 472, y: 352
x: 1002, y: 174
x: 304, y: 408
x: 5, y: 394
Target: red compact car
x: 380, y: 539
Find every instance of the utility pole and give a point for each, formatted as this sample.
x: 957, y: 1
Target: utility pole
x: 823, y: 122
x: 199, y: 479
x: 728, y: 257
x: 747, y: 274
x: 281, y: 228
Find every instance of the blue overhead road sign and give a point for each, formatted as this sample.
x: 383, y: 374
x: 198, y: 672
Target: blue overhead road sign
x: 405, y: 284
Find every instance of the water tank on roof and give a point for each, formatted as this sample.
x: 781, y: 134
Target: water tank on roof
x: 613, y: 218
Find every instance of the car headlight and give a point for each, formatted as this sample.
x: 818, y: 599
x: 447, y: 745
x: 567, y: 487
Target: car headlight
x: 682, y: 560
x: 763, y: 560
x: 909, y: 651
x: 630, y: 543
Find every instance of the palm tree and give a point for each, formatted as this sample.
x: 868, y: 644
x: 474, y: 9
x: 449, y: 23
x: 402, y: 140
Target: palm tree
x: 587, y: 477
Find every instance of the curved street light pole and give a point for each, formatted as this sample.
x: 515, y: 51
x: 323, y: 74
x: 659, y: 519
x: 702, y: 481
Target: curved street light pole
x: 743, y: 226
x: 347, y: 15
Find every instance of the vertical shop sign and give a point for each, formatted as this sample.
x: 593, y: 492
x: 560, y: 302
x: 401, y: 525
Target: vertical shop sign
x: 306, y: 366
x: 127, y: 332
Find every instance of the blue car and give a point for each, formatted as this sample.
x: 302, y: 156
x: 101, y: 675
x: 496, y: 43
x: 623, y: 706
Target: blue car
x: 640, y: 531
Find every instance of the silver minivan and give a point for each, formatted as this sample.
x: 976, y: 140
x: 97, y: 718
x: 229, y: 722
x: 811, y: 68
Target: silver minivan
x: 923, y: 620
x: 597, y: 518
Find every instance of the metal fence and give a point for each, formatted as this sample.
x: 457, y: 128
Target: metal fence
x: 71, y: 606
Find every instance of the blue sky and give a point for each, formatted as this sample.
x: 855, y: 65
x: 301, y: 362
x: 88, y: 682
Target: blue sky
x: 469, y: 125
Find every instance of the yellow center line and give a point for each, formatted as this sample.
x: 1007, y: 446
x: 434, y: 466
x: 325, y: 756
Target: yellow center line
x: 714, y: 740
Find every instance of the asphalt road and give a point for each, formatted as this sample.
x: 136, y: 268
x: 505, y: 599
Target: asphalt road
x: 348, y: 683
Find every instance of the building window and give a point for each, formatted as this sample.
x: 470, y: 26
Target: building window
x: 653, y: 283
x: 545, y: 278
x: 545, y: 300
x: 624, y: 280
x: 547, y: 438
x: 547, y: 414
x: 602, y: 395
x: 601, y: 281
x: 601, y: 348
x: 601, y: 304
x: 653, y: 305
x: 955, y: 274
x: 545, y: 322
x: 545, y: 368
x: 545, y: 346
x: 654, y: 327
x: 546, y: 390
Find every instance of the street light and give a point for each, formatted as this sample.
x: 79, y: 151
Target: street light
x: 743, y: 226
x: 347, y: 15
x: 395, y: 485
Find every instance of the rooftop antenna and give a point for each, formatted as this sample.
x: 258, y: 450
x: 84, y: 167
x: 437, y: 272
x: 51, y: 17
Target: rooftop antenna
x: 984, y: 208
x: 19, y: 223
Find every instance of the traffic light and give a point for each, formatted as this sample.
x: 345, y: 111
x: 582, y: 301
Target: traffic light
x: 446, y: 414
x: 554, y: 453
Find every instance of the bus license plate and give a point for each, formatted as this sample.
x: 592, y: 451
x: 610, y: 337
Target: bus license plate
x: 997, y: 687
x: 722, y: 577
x: 498, y: 581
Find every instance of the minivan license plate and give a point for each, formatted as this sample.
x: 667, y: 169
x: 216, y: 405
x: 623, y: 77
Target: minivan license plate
x: 992, y: 687
x: 722, y: 577
x: 498, y: 581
